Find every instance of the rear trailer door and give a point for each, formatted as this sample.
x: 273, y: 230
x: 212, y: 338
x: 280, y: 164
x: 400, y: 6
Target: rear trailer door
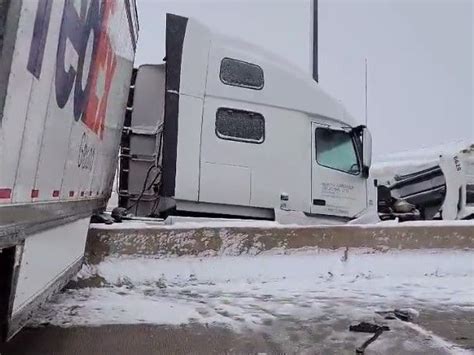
x: 338, y: 187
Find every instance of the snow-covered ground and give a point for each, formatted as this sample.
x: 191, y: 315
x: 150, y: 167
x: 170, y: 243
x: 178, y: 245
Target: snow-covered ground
x: 278, y: 294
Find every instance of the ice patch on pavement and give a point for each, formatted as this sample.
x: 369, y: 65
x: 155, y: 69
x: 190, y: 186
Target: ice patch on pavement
x: 440, y: 342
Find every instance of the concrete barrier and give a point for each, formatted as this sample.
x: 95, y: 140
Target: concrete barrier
x: 160, y: 240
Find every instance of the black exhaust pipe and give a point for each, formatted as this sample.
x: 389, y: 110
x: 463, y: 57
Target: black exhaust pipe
x: 315, y: 41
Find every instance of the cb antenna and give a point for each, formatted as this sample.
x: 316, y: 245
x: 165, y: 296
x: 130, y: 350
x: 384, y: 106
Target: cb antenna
x: 366, y: 95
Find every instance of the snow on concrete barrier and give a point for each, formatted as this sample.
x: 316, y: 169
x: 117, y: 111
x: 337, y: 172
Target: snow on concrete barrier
x: 252, y: 238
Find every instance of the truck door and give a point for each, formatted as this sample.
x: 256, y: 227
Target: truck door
x: 338, y: 185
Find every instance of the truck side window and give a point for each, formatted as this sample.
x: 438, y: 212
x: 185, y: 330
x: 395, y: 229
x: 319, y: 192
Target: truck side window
x: 335, y: 150
x: 239, y: 73
x: 239, y: 125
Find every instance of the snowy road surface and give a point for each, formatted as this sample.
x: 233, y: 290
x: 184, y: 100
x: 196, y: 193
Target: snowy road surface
x: 303, y: 302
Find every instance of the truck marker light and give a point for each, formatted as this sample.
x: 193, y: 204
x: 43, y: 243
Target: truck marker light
x: 5, y: 193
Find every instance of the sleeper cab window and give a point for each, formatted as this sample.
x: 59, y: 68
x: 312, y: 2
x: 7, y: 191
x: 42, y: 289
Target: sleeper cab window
x: 239, y: 73
x: 240, y: 125
x: 336, y: 150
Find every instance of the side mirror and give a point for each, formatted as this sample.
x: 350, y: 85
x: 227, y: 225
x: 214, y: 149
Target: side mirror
x: 365, y: 138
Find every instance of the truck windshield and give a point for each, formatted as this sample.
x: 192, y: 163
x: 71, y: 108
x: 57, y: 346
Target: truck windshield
x: 335, y: 150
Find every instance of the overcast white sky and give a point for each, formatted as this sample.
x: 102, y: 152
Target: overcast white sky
x: 420, y: 55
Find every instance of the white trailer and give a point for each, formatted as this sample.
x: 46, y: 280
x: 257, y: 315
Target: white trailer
x: 65, y: 69
x: 243, y: 133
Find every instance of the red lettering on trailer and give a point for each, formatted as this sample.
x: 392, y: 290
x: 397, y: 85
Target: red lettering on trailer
x: 78, y: 23
x: 34, y: 193
x: 56, y: 193
x: 104, y: 63
x: 71, y: 193
x: 82, y: 193
x: 5, y: 193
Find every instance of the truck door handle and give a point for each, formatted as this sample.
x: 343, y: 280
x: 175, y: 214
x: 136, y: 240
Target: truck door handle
x: 317, y: 202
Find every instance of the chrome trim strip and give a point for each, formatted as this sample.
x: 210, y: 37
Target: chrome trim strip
x: 17, y: 222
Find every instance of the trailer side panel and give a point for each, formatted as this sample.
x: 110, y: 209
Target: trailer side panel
x: 65, y: 72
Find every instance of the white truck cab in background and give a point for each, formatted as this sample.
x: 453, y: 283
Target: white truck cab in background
x: 236, y: 131
x: 438, y: 181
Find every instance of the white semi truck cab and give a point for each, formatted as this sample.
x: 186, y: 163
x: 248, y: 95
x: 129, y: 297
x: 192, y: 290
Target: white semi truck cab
x: 226, y: 128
